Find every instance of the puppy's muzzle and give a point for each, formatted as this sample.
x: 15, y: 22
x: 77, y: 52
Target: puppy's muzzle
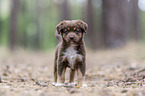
x: 71, y: 37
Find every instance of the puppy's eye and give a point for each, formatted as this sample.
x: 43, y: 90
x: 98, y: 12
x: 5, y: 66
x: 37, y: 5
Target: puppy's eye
x: 77, y: 30
x: 65, y: 30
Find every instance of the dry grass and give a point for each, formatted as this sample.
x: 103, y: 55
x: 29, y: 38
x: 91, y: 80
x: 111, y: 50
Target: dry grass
x: 118, y: 72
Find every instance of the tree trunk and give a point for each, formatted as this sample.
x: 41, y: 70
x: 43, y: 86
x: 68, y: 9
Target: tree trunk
x: 64, y: 10
x: 37, y: 36
x: 134, y: 21
x: 23, y: 39
x: 91, y: 34
x: 13, y: 24
x: 0, y: 21
x: 0, y: 27
x: 114, y: 22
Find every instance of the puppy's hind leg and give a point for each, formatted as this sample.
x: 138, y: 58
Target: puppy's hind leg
x: 55, y: 67
x: 55, y: 73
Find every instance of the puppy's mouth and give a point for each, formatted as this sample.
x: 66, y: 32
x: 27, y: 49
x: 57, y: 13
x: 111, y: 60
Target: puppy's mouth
x: 72, y: 41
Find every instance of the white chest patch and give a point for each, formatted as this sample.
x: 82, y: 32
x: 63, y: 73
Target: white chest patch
x: 71, y: 55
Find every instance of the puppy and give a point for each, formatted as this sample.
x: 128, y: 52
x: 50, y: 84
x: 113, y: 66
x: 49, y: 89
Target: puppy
x: 70, y: 52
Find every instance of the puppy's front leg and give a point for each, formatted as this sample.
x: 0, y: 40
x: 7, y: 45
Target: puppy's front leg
x: 81, y: 74
x: 61, y: 74
x: 71, y: 78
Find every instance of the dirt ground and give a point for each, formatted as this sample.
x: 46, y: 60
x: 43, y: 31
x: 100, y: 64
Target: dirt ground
x: 119, y: 72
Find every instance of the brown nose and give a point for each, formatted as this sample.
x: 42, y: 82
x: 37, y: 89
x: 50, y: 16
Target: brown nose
x: 71, y: 37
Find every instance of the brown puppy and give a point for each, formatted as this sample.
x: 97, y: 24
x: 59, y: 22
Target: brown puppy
x: 70, y: 51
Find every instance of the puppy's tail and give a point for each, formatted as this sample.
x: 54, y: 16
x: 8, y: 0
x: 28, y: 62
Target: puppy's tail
x: 58, y: 36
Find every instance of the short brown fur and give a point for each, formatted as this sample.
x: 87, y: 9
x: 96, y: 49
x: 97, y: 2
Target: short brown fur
x: 70, y: 51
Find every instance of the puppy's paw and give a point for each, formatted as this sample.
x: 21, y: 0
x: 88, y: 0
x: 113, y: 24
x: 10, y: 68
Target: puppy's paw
x: 84, y: 85
x: 59, y: 84
x: 71, y: 84
x: 81, y: 85
x: 53, y: 83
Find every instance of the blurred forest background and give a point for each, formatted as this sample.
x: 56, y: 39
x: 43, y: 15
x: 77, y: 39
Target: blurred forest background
x: 30, y: 24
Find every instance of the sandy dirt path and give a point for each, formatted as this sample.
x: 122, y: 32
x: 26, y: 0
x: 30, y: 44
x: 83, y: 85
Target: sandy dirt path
x: 118, y: 72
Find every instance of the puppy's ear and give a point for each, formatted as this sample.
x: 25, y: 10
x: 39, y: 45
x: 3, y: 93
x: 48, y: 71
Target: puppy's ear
x: 83, y: 25
x: 60, y: 26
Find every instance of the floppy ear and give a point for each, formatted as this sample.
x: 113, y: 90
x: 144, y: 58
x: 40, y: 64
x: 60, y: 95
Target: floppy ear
x: 60, y: 26
x: 83, y: 25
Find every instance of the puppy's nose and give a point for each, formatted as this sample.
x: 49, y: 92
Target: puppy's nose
x: 71, y: 37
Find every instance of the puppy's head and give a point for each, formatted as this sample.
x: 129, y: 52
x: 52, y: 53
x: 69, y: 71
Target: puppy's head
x: 72, y: 30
